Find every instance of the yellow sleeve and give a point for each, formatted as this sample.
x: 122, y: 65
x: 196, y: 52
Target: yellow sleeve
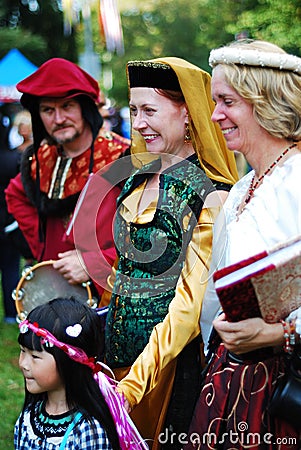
x: 181, y: 324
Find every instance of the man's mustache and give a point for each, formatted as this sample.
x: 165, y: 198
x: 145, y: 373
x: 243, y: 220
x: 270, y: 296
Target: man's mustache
x: 61, y: 127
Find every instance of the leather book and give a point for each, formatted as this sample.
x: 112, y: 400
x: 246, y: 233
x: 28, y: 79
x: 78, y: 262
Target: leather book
x: 266, y: 285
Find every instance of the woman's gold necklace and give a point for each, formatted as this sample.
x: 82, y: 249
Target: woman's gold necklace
x: 253, y: 186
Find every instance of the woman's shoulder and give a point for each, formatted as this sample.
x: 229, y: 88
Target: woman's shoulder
x: 287, y: 176
x: 291, y: 165
x: 238, y: 190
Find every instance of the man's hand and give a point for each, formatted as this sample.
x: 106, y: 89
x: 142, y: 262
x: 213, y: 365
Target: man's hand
x: 72, y: 267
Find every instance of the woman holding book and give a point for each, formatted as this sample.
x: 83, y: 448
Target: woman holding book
x: 256, y: 88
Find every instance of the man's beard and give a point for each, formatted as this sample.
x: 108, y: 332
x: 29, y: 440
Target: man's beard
x: 66, y: 140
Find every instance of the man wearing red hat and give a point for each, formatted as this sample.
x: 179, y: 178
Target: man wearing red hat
x: 62, y: 99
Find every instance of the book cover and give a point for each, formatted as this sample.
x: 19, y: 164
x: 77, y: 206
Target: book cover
x: 266, y: 285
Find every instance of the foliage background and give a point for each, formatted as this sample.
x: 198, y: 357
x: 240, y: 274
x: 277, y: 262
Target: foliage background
x: 11, y: 382
x: 151, y: 28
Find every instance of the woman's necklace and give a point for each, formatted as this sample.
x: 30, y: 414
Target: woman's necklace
x: 253, y: 186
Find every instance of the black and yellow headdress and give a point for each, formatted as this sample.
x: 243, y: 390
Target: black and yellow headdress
x: 172, y: 73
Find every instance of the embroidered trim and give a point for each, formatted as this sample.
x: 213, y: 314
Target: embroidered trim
x: 149, y: 64
x: 54, y: 179
x: 54, y: 175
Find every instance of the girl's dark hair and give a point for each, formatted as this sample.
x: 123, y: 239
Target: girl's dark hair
x: 82, y: 391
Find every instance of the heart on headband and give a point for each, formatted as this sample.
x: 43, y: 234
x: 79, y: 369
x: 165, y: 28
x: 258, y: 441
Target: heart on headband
x: 74, y: 330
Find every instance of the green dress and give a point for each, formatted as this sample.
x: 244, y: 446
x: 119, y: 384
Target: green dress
x: 151, y: 257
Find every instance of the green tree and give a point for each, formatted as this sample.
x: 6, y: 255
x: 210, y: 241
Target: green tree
x: 152, y: 29
x: 39, y: 34
x: 28, y: 43
x: 174, y: 28
x: 278, y: 21
x: 190, y: 30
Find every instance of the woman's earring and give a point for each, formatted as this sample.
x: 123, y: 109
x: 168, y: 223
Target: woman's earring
x: 187, y: 136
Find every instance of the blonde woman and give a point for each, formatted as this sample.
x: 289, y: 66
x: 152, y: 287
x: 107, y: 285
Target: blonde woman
x: 256, y: 87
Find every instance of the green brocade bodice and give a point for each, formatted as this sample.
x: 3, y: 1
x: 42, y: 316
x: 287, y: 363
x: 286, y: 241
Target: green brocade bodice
x: 151, y: 257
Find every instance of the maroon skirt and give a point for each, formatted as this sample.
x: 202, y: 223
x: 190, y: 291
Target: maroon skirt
x: 232, y: 410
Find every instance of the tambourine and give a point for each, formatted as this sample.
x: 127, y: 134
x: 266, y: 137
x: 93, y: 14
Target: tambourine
x: 41, y: 283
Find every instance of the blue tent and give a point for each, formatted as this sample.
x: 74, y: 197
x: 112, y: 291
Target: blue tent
x: 13, y: 68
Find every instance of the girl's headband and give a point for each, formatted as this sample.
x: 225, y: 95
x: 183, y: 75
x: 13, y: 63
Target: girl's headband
x: 129, y: 437
x: 75, y: 353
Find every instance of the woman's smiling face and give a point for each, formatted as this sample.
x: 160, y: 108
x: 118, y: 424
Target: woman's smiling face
x: 160, y: 121
x: 233, y: 114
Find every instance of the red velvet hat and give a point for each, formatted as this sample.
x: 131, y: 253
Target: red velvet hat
x: 59, y: 77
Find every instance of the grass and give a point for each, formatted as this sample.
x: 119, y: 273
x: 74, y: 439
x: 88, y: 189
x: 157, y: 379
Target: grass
x: 11, y: 382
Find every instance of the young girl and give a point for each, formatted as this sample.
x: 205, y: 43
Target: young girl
x: 69, y: 403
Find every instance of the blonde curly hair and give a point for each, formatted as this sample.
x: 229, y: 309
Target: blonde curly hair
x: 274, y: 93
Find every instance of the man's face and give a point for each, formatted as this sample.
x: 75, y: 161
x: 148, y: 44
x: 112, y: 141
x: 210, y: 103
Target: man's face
x: 62, y: 119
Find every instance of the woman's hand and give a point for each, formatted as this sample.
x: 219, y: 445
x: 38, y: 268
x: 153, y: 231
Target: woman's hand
x: 127, y: 406
x: 125, y: 401
x: 248, y: 335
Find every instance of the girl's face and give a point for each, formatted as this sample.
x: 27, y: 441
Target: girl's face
x: 160, y: 121
x: 233, y: 114
x: 40, y: 371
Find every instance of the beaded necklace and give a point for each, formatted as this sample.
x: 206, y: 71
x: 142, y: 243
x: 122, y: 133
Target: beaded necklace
x: 253, y: 186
